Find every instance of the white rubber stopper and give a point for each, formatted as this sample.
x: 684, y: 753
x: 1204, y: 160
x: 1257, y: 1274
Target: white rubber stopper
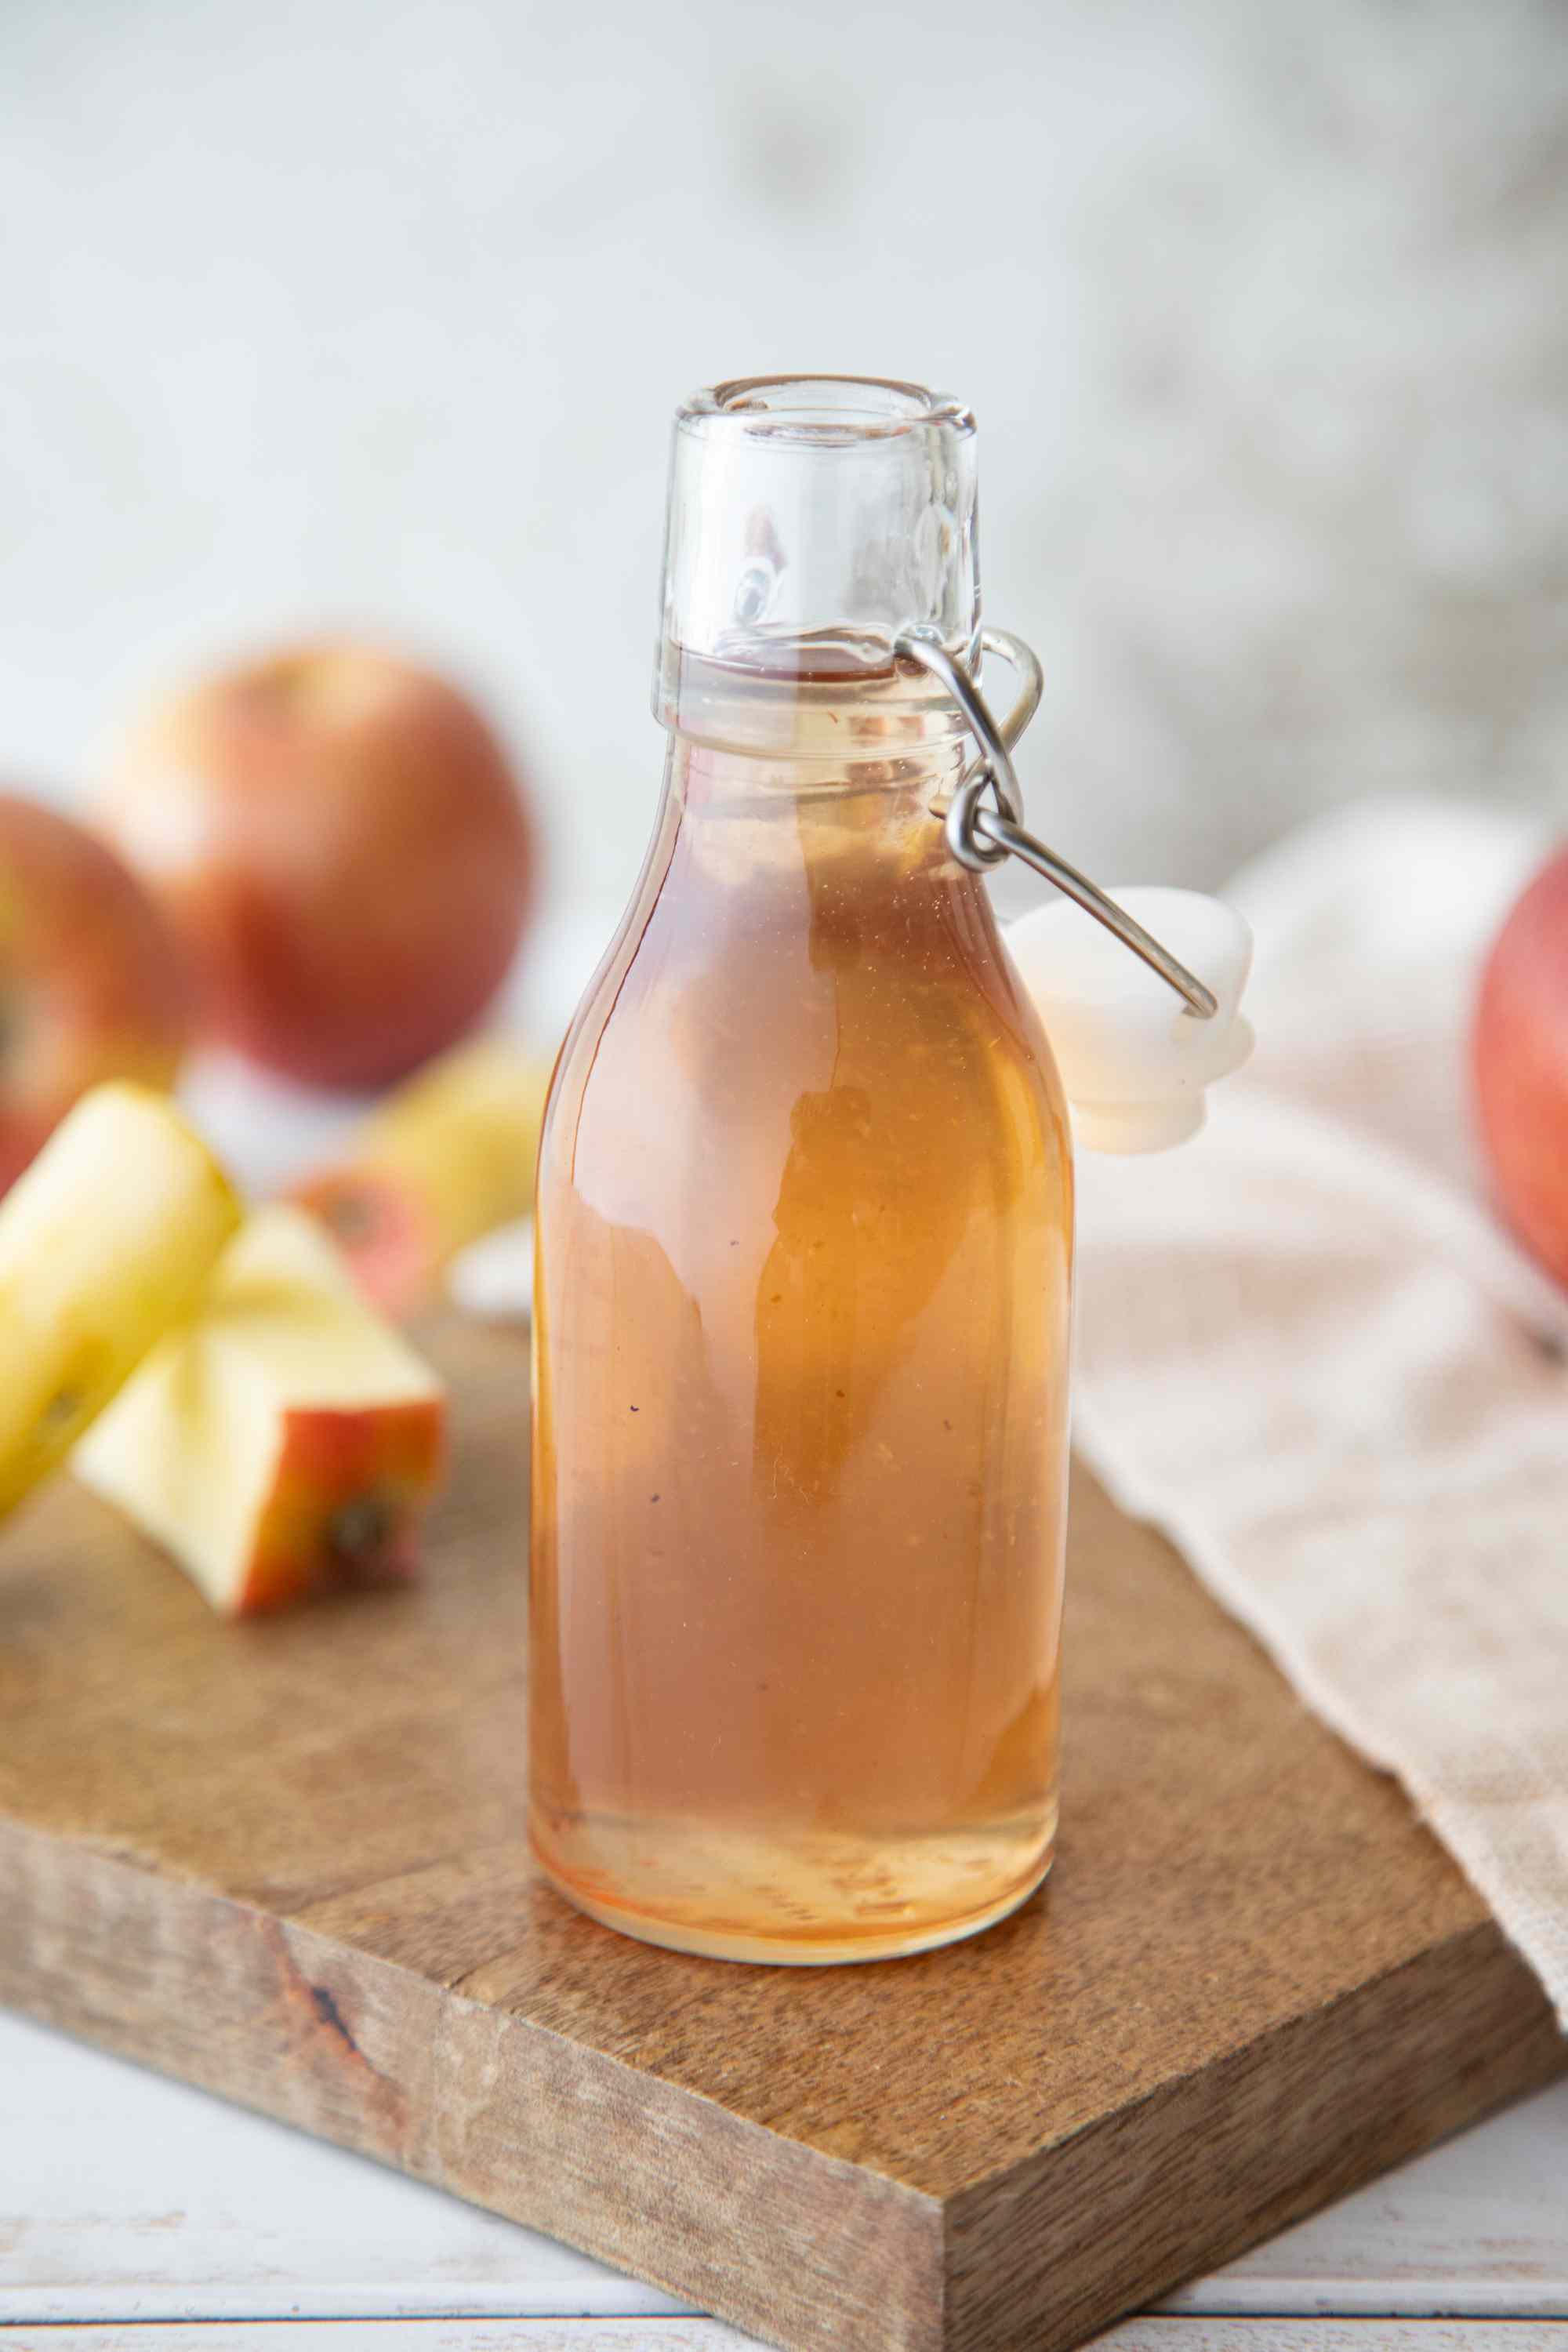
x: 1133, y: 1061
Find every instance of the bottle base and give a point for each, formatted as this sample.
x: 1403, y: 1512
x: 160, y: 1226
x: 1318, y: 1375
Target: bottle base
x: 821, y: 1943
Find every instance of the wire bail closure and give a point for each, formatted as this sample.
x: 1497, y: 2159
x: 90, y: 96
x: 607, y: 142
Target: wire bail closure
x: 982, y: 836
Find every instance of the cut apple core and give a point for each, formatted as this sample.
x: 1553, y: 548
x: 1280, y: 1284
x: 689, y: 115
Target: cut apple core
x: 357, y: 1532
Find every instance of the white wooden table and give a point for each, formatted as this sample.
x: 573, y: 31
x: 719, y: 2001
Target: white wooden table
x: 140, y: 2215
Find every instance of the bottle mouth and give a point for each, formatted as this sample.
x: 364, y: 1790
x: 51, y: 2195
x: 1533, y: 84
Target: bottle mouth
x: 829, y: 411
x: 811, y: 519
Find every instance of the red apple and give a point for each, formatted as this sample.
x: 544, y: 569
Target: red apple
x: 92, y: 984
x: 1521, y: 1064
x: 340, y: 838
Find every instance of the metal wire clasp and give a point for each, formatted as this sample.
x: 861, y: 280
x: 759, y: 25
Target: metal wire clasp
x: 981, y: 834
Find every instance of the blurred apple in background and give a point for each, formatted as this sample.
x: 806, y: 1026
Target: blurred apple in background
x: 339, y: 839
x: 442, y: 1161
x: 92, y: 983
x: 1520, y: 1064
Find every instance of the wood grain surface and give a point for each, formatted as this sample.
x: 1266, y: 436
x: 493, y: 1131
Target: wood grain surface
x: 285, y: 1861
x: 179, y: 2207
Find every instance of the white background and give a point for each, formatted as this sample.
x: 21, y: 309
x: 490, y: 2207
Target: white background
x: 371, y: 312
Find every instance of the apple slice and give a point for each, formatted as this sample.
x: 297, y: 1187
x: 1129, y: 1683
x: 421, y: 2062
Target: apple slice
x: 284, y: 1443
x: 443, y: 1162
x: 105, y: 1241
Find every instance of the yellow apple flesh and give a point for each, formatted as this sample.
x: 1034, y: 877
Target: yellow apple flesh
x: 105, y: 1241
x: 286, y: 1441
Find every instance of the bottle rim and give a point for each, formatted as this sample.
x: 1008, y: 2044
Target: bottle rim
x: 831, y: 410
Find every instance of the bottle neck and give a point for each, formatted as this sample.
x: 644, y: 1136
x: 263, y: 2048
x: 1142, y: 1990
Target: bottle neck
x: 820, y: 707
x: 846, y: 853
x: 709, y: 776
x: 747, y: 823
x: 830, y: 776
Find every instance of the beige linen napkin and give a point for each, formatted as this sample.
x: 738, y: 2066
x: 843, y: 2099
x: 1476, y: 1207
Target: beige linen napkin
x: 1308, y: 1351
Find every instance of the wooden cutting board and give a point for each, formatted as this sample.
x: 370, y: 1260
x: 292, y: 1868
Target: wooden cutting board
x: 285, y: 1861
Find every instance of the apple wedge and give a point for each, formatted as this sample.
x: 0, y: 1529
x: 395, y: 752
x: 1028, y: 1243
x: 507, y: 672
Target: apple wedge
x: 286, y: 1441
x: 106, y: 1240
x: 444, y: 1161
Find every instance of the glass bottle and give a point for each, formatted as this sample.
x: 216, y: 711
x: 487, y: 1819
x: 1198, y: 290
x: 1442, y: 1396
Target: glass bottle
x: 802, y: 1294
